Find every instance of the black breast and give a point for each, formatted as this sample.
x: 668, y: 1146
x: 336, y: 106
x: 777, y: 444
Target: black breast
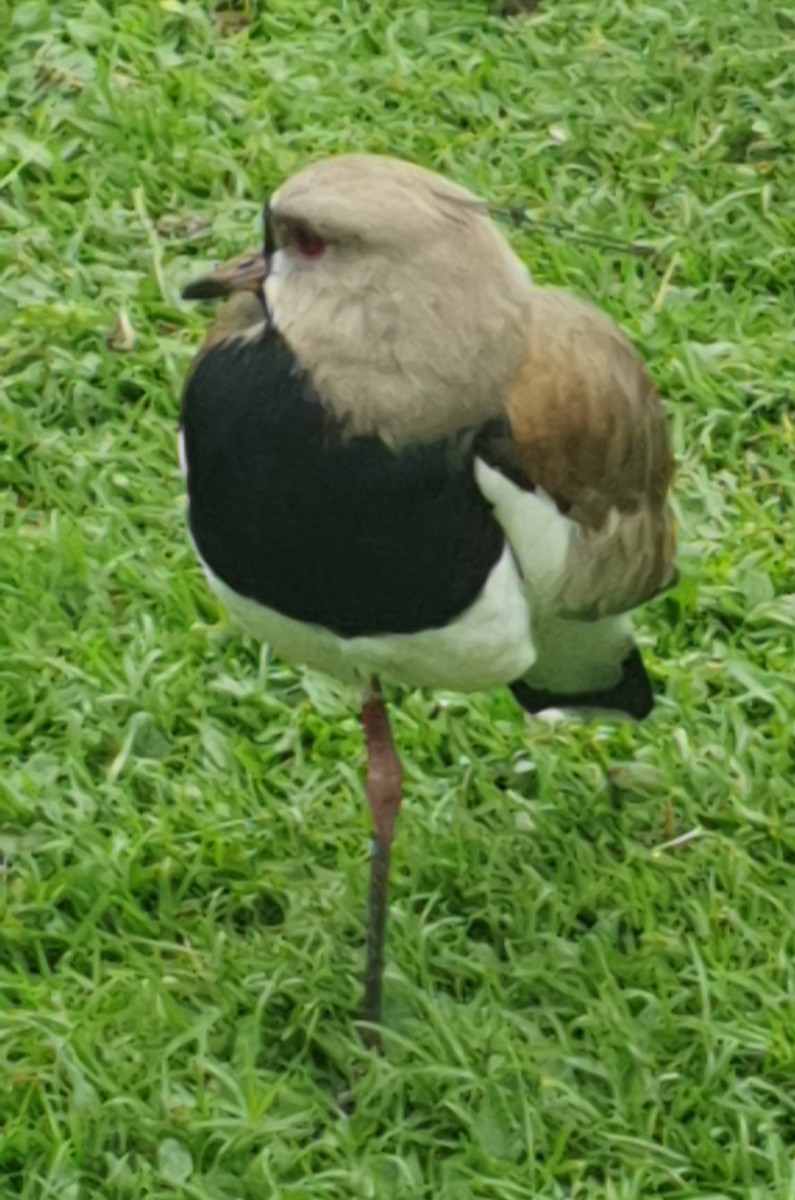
x: 343, y: 533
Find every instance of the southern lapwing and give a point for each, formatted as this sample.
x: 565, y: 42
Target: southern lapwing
x: 406, y: 461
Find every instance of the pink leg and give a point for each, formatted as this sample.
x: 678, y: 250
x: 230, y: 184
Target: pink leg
x: 384, y: 792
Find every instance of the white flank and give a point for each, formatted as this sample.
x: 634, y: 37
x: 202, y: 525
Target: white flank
x: 572, y: 655
x: 489, y: 645
x: 538, y: 533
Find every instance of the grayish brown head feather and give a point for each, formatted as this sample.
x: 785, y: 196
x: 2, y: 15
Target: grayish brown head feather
x: 378, y: 201
x: 412, y: 324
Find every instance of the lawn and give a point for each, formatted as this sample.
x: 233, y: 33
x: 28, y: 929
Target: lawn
x: 591, y: 979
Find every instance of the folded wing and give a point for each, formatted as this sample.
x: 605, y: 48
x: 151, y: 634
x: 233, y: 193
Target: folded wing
x: 578, y: 473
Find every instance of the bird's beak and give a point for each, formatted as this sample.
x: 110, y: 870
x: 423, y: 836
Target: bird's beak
x: 246, y: 273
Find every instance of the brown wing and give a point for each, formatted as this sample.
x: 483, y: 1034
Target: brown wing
x: 588, y: 427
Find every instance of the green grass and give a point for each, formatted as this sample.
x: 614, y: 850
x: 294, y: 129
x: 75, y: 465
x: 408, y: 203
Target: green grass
x: 573, y: 1009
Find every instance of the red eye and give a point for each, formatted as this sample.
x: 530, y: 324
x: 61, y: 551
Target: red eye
x: 307, y: 243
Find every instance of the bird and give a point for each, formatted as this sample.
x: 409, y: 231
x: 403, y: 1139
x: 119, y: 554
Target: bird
x: 409, y: 464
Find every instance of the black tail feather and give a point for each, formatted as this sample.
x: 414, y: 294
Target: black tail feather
x: 631, y: 695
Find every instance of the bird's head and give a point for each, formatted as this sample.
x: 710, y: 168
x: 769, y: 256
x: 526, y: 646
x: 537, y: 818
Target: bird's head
x: 395, y: 291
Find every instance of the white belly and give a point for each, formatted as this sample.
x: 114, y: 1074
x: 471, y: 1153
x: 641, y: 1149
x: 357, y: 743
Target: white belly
x: 489, y: 645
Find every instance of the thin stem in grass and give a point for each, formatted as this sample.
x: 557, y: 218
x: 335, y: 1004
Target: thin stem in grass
x: 521, y: 216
